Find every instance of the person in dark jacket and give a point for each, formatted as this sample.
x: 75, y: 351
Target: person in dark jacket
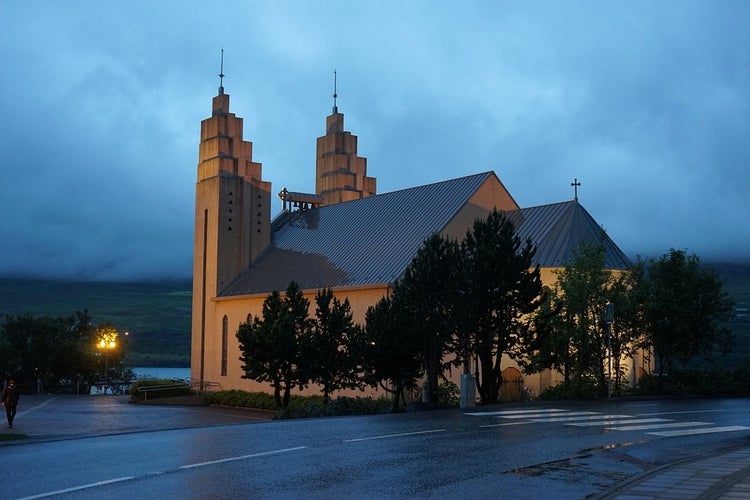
x: 10, y: 401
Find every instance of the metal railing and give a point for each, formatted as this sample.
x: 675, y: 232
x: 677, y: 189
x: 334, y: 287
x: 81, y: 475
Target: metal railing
x: 204, y: 386
x: 146, y: 389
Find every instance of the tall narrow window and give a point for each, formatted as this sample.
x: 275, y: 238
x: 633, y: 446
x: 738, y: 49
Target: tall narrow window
x: 224, y: 344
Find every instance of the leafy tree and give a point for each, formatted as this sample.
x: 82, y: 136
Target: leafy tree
x: 626, y: 331
x: 683, y: 304
x: 581, y: 297
x: 271, y: 346
x: 501, y: 291
x: 572, y: 336
x: 429, y: 294
x: 327, y: 356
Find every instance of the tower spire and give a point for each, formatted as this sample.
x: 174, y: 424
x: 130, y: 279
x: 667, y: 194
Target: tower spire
x: 335, y: 95
x: 221, y: 73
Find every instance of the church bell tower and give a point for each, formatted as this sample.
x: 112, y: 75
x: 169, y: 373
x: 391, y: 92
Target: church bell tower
x: 232, y: 213
x: 340, y: 175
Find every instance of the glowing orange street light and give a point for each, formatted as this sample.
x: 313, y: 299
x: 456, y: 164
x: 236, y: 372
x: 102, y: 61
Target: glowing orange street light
x: 107, y: 342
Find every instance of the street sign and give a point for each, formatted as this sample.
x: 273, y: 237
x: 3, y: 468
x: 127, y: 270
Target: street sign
x: 609, y: 313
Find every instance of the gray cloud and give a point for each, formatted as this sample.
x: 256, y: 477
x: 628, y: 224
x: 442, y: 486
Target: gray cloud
x: 101, y: 105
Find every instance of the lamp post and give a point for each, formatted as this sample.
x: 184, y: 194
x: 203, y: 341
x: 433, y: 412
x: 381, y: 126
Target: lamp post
x: 107, y: 342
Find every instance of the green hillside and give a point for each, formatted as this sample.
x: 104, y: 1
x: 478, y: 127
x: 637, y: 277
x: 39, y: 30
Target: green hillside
x: 156, y: 315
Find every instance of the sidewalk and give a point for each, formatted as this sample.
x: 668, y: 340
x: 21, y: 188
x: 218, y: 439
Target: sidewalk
x: 723, y: 475
x: 46, y: 418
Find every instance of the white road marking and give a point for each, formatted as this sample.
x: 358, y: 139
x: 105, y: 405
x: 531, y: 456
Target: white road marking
x: 241, y: 457
x: 552, y: 415
x: 597, y: 416
x: 79, y: 488
x: 44, y: 403
x: 386, y: 436
x: 513, y: 412
x: 610, y: 422
x: 709, y: 430
x: 657, y: 426
x: 614, y: 422
x: 504, y: 424
x: 128, y: 478
x: 676, y: 412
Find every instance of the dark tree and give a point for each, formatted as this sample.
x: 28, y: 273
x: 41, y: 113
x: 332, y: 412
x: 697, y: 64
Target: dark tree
x: 52, y: 350
x: 501, y: 292
x: 683, y: 306
x: 392, y: 357
x: 429, y: 293
x: 327, y: 356
x: 271, y: 346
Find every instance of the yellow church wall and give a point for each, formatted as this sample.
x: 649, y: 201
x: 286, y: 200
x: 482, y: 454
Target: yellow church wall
x: 492, y: 194
x: 238, y: 309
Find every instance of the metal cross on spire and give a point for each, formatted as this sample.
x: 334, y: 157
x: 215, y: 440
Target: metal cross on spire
x: 335, y: 95
x: 575, y: 185
x: 221, y: 73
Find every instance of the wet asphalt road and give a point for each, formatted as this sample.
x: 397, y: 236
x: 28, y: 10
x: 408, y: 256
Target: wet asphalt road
x: 102, y: 447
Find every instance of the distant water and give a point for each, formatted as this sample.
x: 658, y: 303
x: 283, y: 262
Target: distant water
x: 160, y: 372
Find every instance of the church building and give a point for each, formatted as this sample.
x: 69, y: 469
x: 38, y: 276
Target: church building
x: 345, y: 236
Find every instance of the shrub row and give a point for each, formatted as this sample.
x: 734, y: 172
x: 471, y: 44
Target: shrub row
x: 696, y: 382
x: 679, y: 383
x: 302, y: 406
x: 243, y: 399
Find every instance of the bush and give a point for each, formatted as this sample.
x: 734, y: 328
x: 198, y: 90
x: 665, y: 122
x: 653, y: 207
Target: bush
x: 302, y: 406
x: 584, y: 389
x: 313, y: 406
x: 696, y: 382
x: 137, y: 395
x: 448, y: 394
x: 243, y: 399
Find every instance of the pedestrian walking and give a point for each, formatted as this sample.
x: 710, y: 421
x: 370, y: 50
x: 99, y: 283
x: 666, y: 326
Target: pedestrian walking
x: 10, y: 401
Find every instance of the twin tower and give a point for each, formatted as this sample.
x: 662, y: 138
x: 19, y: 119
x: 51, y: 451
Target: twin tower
x: 233, y: 202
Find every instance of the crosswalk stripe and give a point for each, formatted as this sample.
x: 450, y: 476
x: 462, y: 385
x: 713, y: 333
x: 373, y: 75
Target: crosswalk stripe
x: 515, y: 412
x: 610, y: 422
x: 615, y: 422
x: 597, y: 416
x: 569, y: 414
x: 657, y: 426
x: 709, y: 430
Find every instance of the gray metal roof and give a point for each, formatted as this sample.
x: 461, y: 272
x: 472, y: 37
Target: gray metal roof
x: 559, y: 229
x: 365, y: 241
x: 372, y: 240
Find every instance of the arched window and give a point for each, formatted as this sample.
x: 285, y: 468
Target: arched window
x: 224, y: 344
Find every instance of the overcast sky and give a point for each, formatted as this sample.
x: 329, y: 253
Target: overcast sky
x: 646, y: 103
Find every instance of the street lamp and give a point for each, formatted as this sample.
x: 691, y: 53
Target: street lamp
x: 107, y: 342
